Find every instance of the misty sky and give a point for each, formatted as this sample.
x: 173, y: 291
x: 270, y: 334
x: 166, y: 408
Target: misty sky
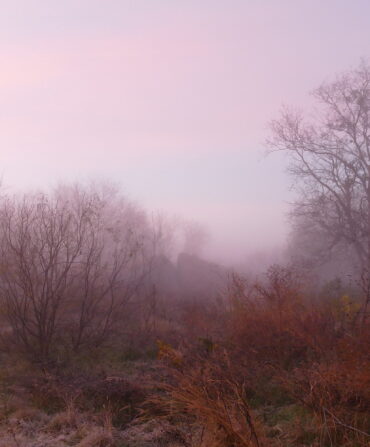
x: 169, y: 98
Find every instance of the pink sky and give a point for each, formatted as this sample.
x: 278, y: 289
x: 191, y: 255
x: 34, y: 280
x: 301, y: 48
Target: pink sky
x: 171, y: 99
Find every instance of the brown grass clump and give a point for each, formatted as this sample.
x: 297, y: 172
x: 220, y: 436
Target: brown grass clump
x: 29, y: 414
x: 116, y: 395
x: 98, y: 438
x: 208, y: 393
x: 69, y: 418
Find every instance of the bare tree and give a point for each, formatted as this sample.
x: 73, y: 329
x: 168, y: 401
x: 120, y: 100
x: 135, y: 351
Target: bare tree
x: 70, y: 261
x: 330, y: 159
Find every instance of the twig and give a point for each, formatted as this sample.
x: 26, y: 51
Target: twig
x: 345, y: 425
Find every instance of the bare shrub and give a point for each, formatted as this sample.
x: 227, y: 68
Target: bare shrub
x: 209, y: 392
x: 279, y: 350
x: 70, y: 262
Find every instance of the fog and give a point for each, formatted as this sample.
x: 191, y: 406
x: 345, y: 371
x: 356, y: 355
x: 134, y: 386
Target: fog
x: 171, y: 101
x: 184, y: 223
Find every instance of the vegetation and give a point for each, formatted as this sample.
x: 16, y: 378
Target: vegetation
x: 330, y: 159
x: 106, y: 340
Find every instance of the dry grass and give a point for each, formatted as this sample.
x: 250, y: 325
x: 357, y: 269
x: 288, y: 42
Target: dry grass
x: 98, y: 438
x: 269, y: 368
x: 278, y: 351
x: 208, y: 395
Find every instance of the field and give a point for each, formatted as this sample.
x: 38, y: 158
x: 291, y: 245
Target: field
x: 266, y: 366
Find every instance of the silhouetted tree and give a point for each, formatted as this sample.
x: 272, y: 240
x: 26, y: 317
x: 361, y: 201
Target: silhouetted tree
x: 70, y: 261
x: 330, y: 160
